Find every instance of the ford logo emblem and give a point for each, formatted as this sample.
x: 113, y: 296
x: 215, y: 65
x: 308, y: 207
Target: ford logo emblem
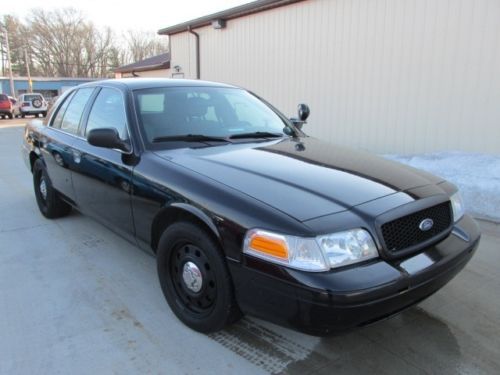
x: 426, y: 225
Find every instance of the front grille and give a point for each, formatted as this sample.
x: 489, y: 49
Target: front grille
x: 404, y: 232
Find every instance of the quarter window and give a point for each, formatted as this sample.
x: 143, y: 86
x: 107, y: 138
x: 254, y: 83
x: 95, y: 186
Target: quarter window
x: 108, y: 111
x: 56, y: 123
x: 74, y: 112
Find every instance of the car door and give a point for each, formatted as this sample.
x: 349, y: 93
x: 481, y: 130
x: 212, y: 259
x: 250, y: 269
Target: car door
x: 101, y: 178
x: 56, y: 144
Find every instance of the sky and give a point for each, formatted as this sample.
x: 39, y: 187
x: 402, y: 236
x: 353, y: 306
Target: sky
x: 147, y: 15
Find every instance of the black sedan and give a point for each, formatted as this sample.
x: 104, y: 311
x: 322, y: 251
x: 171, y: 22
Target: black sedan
x: 244, y: 212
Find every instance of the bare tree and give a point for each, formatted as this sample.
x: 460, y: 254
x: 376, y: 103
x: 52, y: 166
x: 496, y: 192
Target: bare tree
x: 64, y: 43
x: 58, y: 39
x: 142, y: 44
x: 18, y: 41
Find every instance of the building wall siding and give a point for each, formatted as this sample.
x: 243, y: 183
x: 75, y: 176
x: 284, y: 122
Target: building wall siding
x: 402, y: 76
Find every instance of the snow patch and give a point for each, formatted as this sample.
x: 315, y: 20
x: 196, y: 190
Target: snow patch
x: 476, y: 175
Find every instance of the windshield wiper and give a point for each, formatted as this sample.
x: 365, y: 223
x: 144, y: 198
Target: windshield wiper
x: 257, y: 135
x: 190, y: 138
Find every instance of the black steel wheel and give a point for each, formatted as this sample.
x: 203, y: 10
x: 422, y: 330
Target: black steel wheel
x: 50, y: 204
x: 195, y: 279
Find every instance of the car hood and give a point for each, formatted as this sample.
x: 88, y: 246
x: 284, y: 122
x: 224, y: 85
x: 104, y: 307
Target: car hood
x: 304, y: 178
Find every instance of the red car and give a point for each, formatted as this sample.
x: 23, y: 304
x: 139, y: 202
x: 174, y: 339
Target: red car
x: 5, y: 106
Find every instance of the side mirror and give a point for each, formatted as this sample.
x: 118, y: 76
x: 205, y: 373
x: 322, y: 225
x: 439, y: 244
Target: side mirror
x: 303, y: 111
x: 107, y: 138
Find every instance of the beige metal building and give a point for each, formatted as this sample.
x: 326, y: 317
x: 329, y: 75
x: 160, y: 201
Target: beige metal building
x: 389, y: 76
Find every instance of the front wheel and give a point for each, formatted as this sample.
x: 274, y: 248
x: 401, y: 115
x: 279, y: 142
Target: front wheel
x: 195, y: 279
x: 50, y: 204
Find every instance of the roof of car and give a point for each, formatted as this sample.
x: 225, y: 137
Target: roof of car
x: 147, y: 83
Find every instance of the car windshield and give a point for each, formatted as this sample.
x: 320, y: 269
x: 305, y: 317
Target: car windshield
x: 197, y: 113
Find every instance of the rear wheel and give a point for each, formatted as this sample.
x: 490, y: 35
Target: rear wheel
x: 44, y: 114
x: 195, y: 279
x: 10, y: 116
x: 50, y: 204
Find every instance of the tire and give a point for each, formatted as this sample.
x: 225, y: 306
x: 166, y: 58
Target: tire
x: 44, y: 114
x: 37, y: 103
x: 23, y: 115
x: 50, y: 204
x: 206, y: 301
x: 10, y: 116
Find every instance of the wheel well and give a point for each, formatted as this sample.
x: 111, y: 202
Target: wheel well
x: 33, y: 158
x: 172, y: 215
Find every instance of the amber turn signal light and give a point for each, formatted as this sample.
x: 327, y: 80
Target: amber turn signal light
x: 269, y: 245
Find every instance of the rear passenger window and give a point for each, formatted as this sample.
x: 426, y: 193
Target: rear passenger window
x: 56, y: 123
x: 108, y: 111
x: 74, y: 111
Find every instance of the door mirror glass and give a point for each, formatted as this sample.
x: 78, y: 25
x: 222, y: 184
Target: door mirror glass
x: 107, y: 138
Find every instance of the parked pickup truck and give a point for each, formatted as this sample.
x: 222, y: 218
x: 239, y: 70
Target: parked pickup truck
x: 244, y: 212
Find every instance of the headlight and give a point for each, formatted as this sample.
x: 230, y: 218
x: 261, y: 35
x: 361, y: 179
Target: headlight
x: 457, y: 204
x: 348, y: 247
x: 311, y: 254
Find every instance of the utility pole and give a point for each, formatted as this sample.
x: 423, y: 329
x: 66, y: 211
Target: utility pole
x: 11, y: 78
x: 3, y: 59
x: 30, y: 84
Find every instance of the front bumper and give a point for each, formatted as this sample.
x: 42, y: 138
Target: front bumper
x: 320, y: 303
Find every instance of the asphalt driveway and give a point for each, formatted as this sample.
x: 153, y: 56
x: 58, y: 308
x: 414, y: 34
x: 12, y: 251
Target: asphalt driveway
x: 75, y: 298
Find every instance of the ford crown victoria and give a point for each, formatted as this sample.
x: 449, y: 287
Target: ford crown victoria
x: 245, y: 213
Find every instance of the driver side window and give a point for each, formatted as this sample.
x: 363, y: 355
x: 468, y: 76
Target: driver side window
x: 108, y: 111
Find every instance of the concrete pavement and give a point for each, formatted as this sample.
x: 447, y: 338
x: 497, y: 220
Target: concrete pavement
x: 75, y: 298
